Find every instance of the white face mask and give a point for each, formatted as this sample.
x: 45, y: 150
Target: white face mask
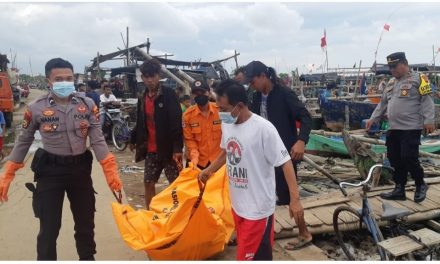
x: 227, y: 117
x: 63, y: 89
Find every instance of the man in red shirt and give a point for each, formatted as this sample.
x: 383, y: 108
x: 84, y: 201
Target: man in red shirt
x: 157, y: 136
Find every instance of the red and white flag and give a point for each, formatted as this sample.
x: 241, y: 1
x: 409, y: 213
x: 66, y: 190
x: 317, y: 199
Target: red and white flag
x: 324, y: 41
x: 386, y: 27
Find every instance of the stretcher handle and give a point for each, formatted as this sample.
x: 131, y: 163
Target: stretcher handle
x: 118, y: 196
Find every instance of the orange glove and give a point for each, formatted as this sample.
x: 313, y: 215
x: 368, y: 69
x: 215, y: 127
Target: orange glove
x: 7, y: 177
x: 111, y: 172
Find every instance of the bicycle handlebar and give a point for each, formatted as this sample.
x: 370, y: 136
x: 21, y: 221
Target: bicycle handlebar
x: 370, y: 173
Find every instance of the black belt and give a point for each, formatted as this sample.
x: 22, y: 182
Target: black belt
x: 67, y: 160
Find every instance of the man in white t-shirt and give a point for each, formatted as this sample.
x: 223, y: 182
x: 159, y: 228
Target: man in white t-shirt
x: 251, y: 148
x: 106, y: 98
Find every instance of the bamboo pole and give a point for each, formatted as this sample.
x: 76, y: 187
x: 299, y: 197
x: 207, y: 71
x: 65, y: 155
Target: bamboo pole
x: 381, y: 142
x: 369, y: 140
x: 164, y: 70
x: 348, y: 97
x: 318, y: 168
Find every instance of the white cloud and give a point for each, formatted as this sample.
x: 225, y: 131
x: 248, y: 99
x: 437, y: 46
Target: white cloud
x: 284, y: 35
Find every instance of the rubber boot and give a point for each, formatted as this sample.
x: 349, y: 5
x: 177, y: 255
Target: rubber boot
x: 420, y: 193
x: 397, y: 194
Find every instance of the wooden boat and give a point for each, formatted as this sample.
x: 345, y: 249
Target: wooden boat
x: 332, y: 144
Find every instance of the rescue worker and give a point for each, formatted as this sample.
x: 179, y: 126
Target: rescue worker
x: 202, y: 127
x: 409, y: 106
x: 157, y: 136
x: 64, y: 119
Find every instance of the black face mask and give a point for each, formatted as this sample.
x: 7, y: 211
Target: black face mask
x: 201, y: 100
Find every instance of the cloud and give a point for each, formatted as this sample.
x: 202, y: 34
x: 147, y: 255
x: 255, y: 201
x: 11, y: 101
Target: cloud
x: 283, y: 35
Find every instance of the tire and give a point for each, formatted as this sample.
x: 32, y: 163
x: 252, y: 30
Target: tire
x: 120, y: 135
x: 8, y: 119
x: 347, y: 224
x: 350, y: 230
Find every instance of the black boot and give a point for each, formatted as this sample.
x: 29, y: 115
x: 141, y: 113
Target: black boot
x: 420, y: 193
x: 397, y: 194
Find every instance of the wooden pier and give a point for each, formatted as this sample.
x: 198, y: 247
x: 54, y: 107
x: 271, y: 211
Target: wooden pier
x: 318, y: 210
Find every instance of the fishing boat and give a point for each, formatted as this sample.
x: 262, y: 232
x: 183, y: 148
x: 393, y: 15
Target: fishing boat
x: 331, y: 143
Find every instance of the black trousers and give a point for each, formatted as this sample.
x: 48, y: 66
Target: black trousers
x: 282, y: 189
x: 53, y: 180
x: 403, y: 154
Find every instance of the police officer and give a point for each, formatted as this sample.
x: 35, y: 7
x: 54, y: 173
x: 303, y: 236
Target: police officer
x: 202, y: 127
x: 64, y: 119
x: 409, y: 106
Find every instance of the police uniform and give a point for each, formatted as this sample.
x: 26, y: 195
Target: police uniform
x: 63, y: 165
x: 202, y: 133
x: 408, y: 104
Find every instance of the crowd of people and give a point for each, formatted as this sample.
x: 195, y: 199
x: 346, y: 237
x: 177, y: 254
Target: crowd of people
x: 248, y: 123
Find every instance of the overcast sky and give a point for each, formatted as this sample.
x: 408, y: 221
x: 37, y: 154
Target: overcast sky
x: 283, y: 35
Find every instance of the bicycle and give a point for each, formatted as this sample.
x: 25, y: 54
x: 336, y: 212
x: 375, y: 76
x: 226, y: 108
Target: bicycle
x: 121, y: 132
x: 354, y: 225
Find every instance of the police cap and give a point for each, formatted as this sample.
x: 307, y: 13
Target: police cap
x: 395, y: 58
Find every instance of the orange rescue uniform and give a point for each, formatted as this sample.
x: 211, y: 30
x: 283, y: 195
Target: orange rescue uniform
x: 202, y: 134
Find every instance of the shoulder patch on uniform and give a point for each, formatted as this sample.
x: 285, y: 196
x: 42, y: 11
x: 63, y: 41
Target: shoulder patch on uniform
x: 95, y: 111
x: 194, y: 125
x: 27, y: 118
x: 425, y: 86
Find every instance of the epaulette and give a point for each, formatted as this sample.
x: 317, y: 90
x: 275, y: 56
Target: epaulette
x: 39, y: 98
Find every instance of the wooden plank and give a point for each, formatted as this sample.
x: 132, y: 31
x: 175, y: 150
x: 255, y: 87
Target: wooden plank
x: 412, y: 205
x: 434, y: 225
x: 325, y: 201
x: 310, y: 252
x: 403, y: 245
x: 398, y: 246
x: 435, y: 187
x: 427, y: 236
x: 311, y: 219
x: 277, y: 227
x: 325, y: 213
x: 426, y: 204
x: 282, y: 216
x: 434, y: 196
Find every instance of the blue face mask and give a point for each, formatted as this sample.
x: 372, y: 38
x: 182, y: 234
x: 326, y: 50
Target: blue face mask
x: 227, y: 117
x: 63, y: 89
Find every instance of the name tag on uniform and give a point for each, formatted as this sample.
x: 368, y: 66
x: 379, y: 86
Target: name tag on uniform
x: 194, y: 125
x: 217, y: 122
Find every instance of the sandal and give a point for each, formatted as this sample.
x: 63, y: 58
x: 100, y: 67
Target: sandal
x: 298, y: 243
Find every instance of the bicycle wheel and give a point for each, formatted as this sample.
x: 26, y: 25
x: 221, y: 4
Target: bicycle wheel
x: 120, y: 136
x: 347, y: 223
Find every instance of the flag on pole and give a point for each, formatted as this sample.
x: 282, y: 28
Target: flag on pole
x: 386, y: 27
x: 324, y: 41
